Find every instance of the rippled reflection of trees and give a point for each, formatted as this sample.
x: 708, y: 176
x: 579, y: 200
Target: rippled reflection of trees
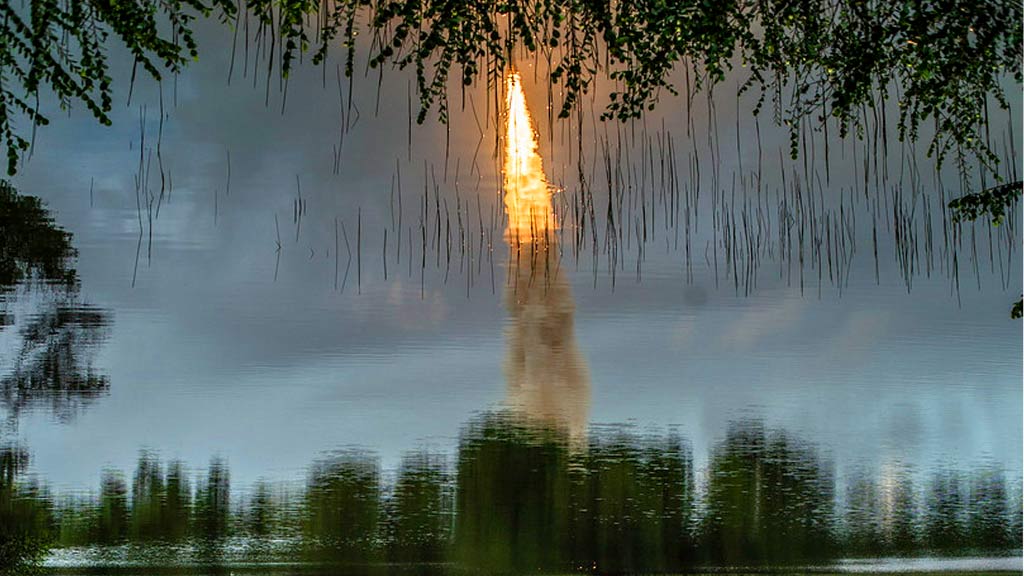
x: 52, y: 366
x: 513, y: 494
x: 769, y: 500
x: 341, y: 508
x: 26, y: 517
x: 417, y: 514
x: 524, y: 498
x: 880, y: 515
x: 161, y: 501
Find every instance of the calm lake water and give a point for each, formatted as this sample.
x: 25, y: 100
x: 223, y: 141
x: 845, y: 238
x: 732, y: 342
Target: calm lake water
x: 708, y: 355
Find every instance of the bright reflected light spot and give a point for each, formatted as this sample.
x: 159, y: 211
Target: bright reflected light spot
x: 527, y: 194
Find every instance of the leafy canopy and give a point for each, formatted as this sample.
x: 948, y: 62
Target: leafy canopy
x: 810, y: 60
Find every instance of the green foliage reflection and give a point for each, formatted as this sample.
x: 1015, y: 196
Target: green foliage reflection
x: 523, y: 498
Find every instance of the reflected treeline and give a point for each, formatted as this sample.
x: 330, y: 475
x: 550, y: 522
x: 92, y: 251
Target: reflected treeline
x: 26, y: 512
x: 520, y: 497
x: 52, y: 364
x: 769, y: 499
x: 527, y: 501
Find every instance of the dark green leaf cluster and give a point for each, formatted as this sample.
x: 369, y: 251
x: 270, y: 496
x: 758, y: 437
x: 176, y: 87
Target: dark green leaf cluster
x: 812, y: 59
x: 995, y: 202
x: 992, y: 201
x: 31, y: 245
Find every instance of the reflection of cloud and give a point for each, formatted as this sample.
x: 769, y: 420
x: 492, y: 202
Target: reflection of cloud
x: 753, y: 327
x: 695, y: 296
x: 683, y: 333
x: 547, y: 379
x: 905, y: 424
x: 860, y: 334
x: 415, y: 310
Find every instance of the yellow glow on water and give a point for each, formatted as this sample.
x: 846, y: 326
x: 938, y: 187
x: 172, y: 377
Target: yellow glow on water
x: 547, y: 378
x: 527, y: 194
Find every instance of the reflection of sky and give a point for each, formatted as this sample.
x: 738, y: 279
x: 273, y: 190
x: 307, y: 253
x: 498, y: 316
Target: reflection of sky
x: 209, y: 355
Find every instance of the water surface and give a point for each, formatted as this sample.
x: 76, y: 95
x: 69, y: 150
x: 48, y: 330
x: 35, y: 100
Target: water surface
x: 430, y: 349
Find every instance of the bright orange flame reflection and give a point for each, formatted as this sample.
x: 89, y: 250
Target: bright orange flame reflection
x: 547, y: 378
x: 527, y: 195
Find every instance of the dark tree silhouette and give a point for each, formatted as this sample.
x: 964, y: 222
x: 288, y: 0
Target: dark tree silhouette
x: 945, y: 513
x: 176, y: 507
x: 513, y: 497
x: 26, y: 518
x: 769, y: 500
x: 53, y: 365
x: 633, y: 507
x: 988, y: 511
x: 32, y: 246
x: 341, y: 509
x: 212, y: 503
x: 112, y: 516
x: 418, y: 515
x: 521, y: 497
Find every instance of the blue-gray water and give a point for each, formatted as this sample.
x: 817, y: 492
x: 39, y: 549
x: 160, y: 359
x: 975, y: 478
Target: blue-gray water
x: 718, y: 392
